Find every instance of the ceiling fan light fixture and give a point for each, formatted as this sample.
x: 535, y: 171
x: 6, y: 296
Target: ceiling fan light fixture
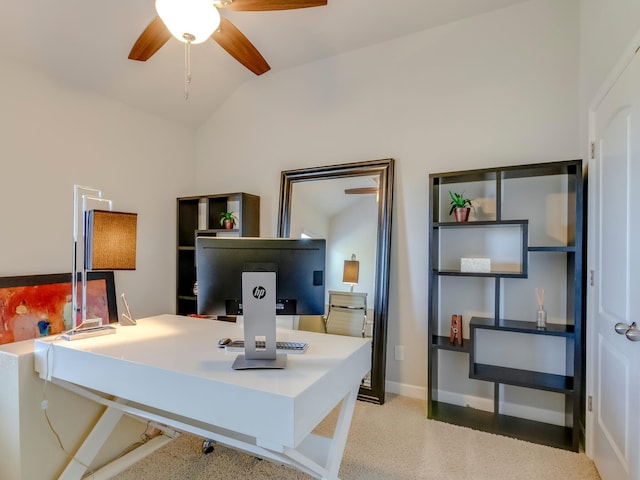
x: 189, y: 19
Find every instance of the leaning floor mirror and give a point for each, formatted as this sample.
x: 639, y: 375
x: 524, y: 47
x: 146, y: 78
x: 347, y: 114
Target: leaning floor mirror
x: 350, y: 205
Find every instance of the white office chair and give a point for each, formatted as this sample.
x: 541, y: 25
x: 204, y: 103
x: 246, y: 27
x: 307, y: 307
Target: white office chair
x: 347, y: 313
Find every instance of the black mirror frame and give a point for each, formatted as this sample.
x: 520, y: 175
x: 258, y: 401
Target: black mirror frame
x: 383, y: 169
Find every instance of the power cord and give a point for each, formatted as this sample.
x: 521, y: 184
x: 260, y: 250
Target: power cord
x: 44, y: 405
x: 149, y: 432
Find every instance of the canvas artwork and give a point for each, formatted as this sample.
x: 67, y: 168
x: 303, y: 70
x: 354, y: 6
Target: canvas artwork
x: 40, y: 305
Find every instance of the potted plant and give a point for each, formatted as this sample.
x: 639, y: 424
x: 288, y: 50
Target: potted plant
x: 228, y: 220
x: 460, y: 206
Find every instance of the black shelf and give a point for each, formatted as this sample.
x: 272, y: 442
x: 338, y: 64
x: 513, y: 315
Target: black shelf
x: 500, y: 187
x: 552, y: 329
x: 521, y: 428
x: 458, y: 273
x: 522, y: 378
x: 481, y: 223
x: 442, y: 343
x: 560, y: 248
x: 212, y: 232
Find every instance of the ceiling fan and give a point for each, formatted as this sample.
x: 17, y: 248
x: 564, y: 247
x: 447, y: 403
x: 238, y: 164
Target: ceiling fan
x: 226, y: 34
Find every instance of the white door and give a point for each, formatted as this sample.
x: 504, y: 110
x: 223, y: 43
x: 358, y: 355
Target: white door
x: 615, y: 359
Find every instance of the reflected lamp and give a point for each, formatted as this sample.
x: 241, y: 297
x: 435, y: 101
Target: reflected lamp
x: 351, y: 271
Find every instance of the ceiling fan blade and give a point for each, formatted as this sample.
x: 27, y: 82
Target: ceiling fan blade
x: 150, y: 41
x: 267, y: 5
x: 239, y: 47
x: 360, y: 190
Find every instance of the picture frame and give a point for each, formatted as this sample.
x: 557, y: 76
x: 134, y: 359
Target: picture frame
x: 34, y: 306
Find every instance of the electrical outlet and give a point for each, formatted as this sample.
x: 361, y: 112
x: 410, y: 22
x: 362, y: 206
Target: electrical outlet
x: 399, y: 352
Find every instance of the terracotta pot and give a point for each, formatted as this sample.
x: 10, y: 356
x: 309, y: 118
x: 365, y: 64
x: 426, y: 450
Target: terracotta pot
x: 228, y: 224
x: 461, y: 214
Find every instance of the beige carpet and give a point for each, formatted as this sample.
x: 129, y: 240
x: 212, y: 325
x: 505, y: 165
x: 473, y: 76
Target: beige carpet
x: 392, y: 441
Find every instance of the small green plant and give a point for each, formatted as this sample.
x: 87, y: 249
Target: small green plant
x: 228, y: 216
x: 458, y: 201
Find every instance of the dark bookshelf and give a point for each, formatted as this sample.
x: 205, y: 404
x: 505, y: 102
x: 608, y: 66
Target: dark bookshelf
x: 492, y: 182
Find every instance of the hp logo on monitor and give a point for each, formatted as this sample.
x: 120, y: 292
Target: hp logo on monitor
x: 259, y: 292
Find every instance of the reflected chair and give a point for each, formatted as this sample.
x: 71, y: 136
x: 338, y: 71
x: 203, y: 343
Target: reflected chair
x: 347, y: 313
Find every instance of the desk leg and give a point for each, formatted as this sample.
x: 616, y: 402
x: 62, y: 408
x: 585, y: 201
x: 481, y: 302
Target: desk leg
x: 326, y: 465
x: 87, y: 452
x: 336, y: 450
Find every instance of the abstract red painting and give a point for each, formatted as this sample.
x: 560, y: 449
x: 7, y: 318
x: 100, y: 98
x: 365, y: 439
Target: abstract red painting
x: 40, y: 305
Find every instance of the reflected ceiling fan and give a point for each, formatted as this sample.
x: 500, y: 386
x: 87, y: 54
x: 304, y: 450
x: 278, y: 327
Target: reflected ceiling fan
x: 363, y: 190
x: 194, y: 21
x: 360, y: 190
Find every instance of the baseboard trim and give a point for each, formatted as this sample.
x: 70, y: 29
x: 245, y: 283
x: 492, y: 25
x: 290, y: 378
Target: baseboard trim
x: 406, y: 390
x: 461, y: 400
x: 533, y: 413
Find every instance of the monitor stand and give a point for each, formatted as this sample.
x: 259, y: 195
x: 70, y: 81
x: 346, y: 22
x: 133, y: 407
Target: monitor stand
x: 259, y: 310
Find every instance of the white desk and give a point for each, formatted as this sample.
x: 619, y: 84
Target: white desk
x: 168, y: 369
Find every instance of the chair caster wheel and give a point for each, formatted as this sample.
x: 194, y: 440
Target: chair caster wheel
x: 207, y: 446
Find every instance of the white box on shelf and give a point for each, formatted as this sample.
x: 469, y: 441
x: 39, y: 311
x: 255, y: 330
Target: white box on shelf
x: 475, y: 264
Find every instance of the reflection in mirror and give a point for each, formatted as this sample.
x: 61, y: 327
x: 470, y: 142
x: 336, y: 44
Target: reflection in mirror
x: 350, y: 206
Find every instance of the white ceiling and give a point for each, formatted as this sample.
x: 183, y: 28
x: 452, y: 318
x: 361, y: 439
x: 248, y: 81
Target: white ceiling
x: 84, y: 44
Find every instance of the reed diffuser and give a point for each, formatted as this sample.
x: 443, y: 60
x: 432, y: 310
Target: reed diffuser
x: 541, y: 314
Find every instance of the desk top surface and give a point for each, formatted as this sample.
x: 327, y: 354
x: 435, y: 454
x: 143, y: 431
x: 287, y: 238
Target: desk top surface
x: 173, y: 363
x: 188, y: 346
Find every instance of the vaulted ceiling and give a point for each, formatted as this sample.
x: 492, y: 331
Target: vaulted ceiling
x: 84, y: 44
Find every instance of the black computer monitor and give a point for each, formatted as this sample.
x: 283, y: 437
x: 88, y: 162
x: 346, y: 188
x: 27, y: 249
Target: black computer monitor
x: 299, y: 265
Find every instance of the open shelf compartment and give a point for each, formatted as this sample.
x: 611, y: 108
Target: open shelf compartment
x: 510, y: 260
x: 517, y: 376
x: 514, y: 427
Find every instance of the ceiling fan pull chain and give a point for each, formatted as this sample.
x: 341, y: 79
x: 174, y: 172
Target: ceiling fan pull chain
x: 187, y: 63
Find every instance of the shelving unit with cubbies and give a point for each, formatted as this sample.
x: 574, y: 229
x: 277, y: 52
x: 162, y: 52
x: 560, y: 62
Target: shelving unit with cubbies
x: 509, y: 377
x: 200, y: 215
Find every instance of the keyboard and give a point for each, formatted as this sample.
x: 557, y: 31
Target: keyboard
x: 281, y: 347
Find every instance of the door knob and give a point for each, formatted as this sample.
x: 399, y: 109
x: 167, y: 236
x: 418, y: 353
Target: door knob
x: 632, y: 332
x: 621, y: 328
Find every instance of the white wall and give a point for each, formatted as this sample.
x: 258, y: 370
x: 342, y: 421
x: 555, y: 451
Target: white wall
x: 308, y: 219
x: 347, y: 232
x: 52, y: 138
x: 351, y: 233
x: 606, y: 29
x: 495, y: 89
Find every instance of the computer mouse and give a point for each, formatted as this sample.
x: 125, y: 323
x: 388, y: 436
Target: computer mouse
x: 223, y: 341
